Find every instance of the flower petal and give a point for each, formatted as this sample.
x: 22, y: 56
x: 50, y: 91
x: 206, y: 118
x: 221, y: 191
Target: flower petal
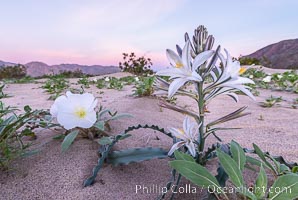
x: 175, y: 147
x: 201, y: 58
x: 173, y: 58
x: 175, y: 85
x: 178, y: 134
x: 54, y: 108
x: 173, y: 73
x: 186, y: 56
x: 191, y: 148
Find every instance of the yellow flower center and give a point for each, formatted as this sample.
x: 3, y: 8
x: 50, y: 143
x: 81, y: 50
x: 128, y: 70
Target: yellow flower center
x: 242, y: 70
x: 181, y: 131
x: 80, y: 112
x: 179, y: 65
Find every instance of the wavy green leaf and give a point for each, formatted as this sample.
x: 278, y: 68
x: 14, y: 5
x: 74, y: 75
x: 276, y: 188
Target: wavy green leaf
x: 133, y: 155
x: 231, y: 168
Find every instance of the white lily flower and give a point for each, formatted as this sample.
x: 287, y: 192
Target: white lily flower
x: 107, y: 79
x: 75, y: 110
x: 267, y: 79
x: 184, y: 68
x: 230, y: 76
x: 188, y: 137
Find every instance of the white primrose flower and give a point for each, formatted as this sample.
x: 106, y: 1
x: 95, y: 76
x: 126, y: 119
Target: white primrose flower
x: 267, y: 79
x: 75, y: 110
x: 230, y: 78
x: 137, y: 79
x: 107, y: 79
x: 184, y: 68
x: 188, y: 137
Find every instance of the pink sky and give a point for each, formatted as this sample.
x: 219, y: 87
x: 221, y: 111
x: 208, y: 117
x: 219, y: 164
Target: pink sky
x: 98, y: 32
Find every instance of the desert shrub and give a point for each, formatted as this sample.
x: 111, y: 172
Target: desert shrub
x: 144, y: 87
x: 73, y: 74
x: 115, y: 83
x: 26, y: 79
x: 2, y: 94
x: 84, y: 81
x: 13, y: 128
x: 55, y: 85
x: 128, y: 80
x: 66, y: 74
x: 134, y: 65
x: 249, y: 61
x: 17, y: 71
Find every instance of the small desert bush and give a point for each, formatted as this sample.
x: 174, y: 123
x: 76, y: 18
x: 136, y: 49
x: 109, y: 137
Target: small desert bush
x: 2, y: 94
x: 55, y: 85
x: 17, y: 71
x: 13, y: 128
x: 144, y: 87
x: 136, y: 65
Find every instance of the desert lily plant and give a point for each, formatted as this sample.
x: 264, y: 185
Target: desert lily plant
x: 201, y: 73
x: 78, y: 114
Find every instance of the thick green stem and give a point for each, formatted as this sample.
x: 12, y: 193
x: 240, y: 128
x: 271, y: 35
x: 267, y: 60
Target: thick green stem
x: 201, y: 105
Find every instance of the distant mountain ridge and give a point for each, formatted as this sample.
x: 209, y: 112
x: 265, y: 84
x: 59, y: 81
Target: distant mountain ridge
x: 36, y: 68
x: 281, y: 55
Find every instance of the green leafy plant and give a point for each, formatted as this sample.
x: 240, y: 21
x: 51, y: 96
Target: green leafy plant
x: 55, y: 85
x: 233, y: 163
x: 271, y: 101
x: 2, y: 94
x: 115, y: 83
x: 144, y: 87
x: 13, y: 128
x: 136, y: 65
x: 249, y: 61
x: 85, y: 82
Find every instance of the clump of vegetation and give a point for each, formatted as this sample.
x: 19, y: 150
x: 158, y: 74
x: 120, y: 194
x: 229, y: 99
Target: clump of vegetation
x: 287, y: 81
x: 114, y: 83
x: 129, y: 80
x: 67, y: 74
x: 26, y: 79
x: 55, y: 85
x: 15, y: 72
x: 249, y: 61
x: 2, y: 94
x: 13, y: 128
x: 271, y: 101
x: 144, y: 87
x: 85, y: 82
x: 138, y: 66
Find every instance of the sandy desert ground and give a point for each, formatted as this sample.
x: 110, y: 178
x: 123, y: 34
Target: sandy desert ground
x: 53, y: 175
